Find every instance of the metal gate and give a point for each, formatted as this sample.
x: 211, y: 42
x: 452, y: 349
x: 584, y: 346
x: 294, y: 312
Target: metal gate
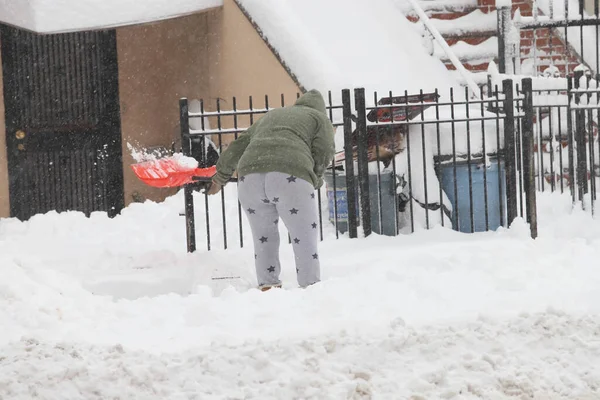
x: 422, y: 160
x: 567, y: 149
x: 63, y: 132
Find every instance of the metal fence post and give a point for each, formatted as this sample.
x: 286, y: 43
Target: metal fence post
x: 507, y: 48
x: 528, y: 157
x: 502, y: 24
x: 363, y: 159
x: 509, y: 151
x: 190, y: 226
x: 580, y: 139
x: 349, y: 164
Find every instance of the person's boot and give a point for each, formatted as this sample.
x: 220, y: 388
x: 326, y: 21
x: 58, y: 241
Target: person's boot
x: 310, y: 284
x: 264, y: 288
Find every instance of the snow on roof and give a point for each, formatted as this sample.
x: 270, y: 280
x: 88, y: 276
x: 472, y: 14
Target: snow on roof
x: 53, y: 16
x: 344, y: 44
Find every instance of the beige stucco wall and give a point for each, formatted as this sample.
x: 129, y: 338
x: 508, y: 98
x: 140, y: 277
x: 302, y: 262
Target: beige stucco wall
x: 590, y: 6
x: 244, y: 65
x: 158, y: 64
x: 4, y: 203
x: 216, y: 54
x: 213, y: 54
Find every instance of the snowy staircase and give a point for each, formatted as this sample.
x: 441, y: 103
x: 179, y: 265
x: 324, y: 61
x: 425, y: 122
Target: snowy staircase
x: 470, y: 29
x: 470, y: 32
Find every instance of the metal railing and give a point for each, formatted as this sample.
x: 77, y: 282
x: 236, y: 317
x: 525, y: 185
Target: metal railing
x: 437, y: 36
x: 557, y: 39
x: 404, y: 162
x: 567, y: 149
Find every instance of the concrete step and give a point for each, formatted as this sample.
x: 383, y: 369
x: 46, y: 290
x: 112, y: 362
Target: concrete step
x: 474, y: 66
x: 473, y: 57
x: 440, y: 7
x: 486, y: 50
x: 476, y: 23
x: 445, y: 15
x: 470, y: 33
x: 473, y: 40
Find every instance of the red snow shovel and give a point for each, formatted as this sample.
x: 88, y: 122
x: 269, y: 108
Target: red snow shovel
x: 168, y: 172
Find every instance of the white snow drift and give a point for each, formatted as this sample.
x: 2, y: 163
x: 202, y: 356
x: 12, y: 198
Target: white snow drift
x: 98, y: 308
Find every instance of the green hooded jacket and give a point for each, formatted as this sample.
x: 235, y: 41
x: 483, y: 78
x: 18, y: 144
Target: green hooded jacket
x: 296, y: 140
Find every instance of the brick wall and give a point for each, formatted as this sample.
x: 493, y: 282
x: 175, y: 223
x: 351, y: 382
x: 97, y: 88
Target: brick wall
x: 549, y: 47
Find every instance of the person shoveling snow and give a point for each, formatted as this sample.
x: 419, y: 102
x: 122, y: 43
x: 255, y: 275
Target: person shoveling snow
x: 280, y: 161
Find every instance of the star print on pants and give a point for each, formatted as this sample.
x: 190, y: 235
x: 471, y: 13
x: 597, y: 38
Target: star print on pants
x: 263, y: 239
x: 271, y: 269
x: 242, y: 178
x: 276, y: 221
x: 294, y: 211
x: 266, y: 201
x: 296, y: 240
x: 314, y: 225
x: 312, y: 195
x: 251, y: 211
x: 315, y: 256
x: 291, y: 179
x: 275, y: 199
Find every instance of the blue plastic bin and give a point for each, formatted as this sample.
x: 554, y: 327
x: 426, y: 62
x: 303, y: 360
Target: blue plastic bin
x: 338, y: 201
x: 496, y: 193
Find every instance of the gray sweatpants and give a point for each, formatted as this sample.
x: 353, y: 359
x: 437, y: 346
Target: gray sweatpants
x: 268, y: 197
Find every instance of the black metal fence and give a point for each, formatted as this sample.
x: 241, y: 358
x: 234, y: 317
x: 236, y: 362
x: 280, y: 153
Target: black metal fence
x: 567, y: 148
x: 549, y: 38
x: 404, y: 162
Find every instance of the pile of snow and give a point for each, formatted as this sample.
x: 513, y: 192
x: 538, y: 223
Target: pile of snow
x: 53, y: 16
x: 339, y: 44
x: 94, y: 308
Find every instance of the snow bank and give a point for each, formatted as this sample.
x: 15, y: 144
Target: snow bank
x: 547, y: 355
x: 51, y: 16
x: 95, y: 308
x: 336, y: 44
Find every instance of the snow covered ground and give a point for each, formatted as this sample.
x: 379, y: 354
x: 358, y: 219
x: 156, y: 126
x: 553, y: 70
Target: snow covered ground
x: 104, y: 309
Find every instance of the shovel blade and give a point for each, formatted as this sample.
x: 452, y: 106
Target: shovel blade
x: 169, y: 172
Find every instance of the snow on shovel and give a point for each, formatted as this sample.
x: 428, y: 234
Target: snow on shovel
x: 172, y: 171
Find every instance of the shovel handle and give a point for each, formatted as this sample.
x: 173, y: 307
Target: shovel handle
x: 209, y: 179
x: 202, y: 178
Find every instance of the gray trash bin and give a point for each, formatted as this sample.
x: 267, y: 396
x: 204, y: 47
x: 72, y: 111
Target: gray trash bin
x: 388, y: 199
